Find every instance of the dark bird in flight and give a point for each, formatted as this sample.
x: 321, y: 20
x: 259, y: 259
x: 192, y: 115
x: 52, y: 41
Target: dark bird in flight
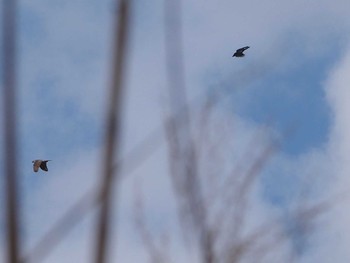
x: 41, y: 164
x: 239, y: 52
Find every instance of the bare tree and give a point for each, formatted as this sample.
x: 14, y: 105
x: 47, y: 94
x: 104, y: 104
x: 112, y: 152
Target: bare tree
x: 214, y: 192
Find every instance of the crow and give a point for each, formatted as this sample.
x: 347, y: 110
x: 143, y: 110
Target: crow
x: 239, y: 52
x: 41, y: 164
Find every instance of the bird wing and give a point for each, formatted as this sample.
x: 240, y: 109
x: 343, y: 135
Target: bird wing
x: 240, y: 50
x: 43, y: 166
x: 36, y: 165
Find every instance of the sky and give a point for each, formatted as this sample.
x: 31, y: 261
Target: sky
x: 293, y: 78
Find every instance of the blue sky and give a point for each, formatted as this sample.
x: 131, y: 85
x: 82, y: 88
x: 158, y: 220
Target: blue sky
x: 294, y: 74
x: 292, y: 98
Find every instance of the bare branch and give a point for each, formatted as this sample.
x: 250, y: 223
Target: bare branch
x: 112, y: 143
x: 157, y: 253
x: 10, y: 128
x: 184, y: 167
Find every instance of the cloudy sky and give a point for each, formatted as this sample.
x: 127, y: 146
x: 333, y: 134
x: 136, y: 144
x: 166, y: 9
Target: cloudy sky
x: 294, y: 77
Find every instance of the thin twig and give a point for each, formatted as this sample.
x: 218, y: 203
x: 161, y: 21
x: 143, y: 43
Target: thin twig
x: 156, y: 252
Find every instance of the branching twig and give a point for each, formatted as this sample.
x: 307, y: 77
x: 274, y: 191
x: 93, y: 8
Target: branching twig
x: 183, y: 164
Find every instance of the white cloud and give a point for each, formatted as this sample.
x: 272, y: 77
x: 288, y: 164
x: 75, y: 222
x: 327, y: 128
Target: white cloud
x: 334, y: 236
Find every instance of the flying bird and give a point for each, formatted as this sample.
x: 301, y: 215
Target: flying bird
x: 239, y: 52
x: 41, y: 164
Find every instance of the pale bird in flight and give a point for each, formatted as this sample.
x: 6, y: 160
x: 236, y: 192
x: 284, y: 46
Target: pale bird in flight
x: 41, y: 164
x: 239, y: 52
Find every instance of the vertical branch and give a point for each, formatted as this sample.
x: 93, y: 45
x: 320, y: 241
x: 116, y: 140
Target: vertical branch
x: 10, y: 130
x: 174, y: 58
x: 112, y: 139
x: 184, y: 168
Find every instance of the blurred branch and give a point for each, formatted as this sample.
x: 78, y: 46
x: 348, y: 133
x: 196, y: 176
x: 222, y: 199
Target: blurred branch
x: 257, y: 245
x: 245, y: 187
x: 112, y: 143
x: 10, y: 129
x: 237, y: 187
x: 157, y: 253
x: 182, y: 154
x: 62, y: 227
